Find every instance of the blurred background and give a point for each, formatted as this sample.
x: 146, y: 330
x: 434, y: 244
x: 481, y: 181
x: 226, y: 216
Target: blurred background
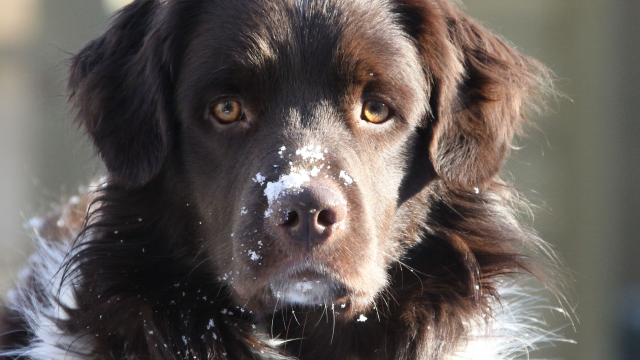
x: 581, y: 166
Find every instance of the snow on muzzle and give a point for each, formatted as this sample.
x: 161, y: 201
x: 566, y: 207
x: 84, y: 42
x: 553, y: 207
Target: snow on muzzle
x: 306, y: 205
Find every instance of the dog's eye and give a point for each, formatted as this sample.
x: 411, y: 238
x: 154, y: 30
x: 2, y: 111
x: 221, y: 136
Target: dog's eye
x: 375, y: 112
x: 226, y: 111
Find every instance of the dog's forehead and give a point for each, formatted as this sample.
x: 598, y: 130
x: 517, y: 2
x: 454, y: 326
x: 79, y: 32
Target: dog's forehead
x: 289, y: 38
x: 255, y: 24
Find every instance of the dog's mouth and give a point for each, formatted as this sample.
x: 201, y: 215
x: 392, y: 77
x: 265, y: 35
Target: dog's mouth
x: 307, y: 288
x: 307, y: 291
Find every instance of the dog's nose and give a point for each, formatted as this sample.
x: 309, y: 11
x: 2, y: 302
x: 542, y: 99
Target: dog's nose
x: 311, y: 215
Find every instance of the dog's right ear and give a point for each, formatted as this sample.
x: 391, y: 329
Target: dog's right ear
x: 120, y: 88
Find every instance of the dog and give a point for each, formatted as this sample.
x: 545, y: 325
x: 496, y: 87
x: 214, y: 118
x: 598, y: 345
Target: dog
x: 291, y: 179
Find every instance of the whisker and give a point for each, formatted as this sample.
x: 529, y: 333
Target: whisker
x: 333, y: 329
x: 302, y: 335
x: 275, y: 309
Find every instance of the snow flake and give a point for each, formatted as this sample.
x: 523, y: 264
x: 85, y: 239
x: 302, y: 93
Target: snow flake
x: 259, y: 179
x: 347, y: 179
x: 253, y: 256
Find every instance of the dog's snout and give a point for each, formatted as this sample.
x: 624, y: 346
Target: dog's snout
x: 311, y: 215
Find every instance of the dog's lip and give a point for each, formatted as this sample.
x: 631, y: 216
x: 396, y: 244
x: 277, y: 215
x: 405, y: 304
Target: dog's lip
x: 306, y: 275
x: 303, y: 274
x: 309, y: 280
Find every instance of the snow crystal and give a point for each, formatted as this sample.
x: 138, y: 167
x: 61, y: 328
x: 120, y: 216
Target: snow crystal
x: 347, y: 179
x: 211, y: 324
x: 304, y: 286
x: 311, y: 152
x: 362, y: 318
x: 253, y: 256
x: 259, y: 179
x: 316, y: 170
x: 289, y: 181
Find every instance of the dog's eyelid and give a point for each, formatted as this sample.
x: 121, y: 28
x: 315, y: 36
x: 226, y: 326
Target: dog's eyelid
x: 381, y: 91
x: 382, y: 97
x: 225, y: 97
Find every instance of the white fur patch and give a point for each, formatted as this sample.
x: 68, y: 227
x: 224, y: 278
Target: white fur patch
x: 41, y: 311
x: 515, y: 330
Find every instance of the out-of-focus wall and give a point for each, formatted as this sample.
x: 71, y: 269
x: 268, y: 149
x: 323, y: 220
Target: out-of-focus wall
x: 581, y: 166
x: 42, y: 157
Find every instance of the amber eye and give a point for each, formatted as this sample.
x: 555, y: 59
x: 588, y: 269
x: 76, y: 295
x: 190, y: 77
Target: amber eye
x: 375, y: 112
x: 226, y: 111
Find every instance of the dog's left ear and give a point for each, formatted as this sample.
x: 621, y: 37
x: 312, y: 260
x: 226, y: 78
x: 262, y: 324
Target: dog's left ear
x: 481, y: 89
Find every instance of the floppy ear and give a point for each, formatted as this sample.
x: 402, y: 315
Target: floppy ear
x: 481, y: 91
x: 120, y: 87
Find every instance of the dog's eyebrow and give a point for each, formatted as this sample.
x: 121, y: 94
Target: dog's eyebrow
x: 289, y: 53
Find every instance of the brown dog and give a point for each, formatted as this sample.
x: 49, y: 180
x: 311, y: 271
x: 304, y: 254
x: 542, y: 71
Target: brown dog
x: 312, y: 179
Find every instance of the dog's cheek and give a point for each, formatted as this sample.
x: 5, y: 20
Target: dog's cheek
x: 381, y: 183
x: 212, y: 191
x: 381, y: 190
x: 374, y: 235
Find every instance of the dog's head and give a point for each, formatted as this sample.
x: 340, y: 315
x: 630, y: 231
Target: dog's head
x: 305, y: 134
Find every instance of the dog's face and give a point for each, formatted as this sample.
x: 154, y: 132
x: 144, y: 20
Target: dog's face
x: 297, y: 123
x: 305, y: 134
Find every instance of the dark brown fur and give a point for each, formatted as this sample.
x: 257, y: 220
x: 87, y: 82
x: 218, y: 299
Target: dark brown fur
x: 431, y: 229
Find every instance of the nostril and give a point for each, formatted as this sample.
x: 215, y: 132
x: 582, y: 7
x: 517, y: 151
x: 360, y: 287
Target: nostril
x: 292, y: 219
x: 309, y: 216
x: 326, y: 218
x: 332, y: 216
